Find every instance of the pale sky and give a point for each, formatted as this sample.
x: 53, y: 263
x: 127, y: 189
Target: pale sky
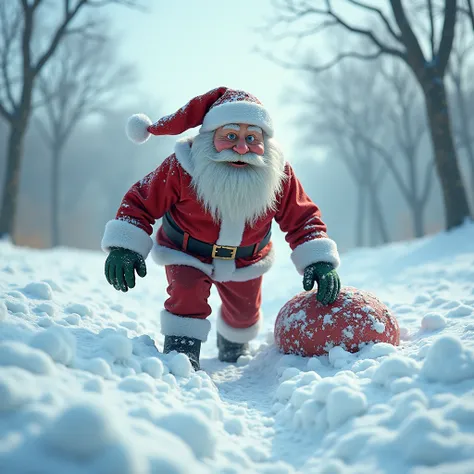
x: 183, y: 48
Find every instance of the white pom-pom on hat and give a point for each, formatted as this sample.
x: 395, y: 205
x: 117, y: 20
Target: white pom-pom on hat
x: 137, y: 128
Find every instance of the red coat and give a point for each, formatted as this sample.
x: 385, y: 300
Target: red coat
x: 168, y: 188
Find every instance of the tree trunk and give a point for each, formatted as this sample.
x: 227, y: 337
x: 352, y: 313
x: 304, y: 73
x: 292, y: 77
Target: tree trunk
x: 379, y: 221
x: 418, y: 221
x: 447, y: 165
x: 360, y: 215
x: 12, y: 178
x: 415, y: 204
x: 465, y: 132
x: 55, y: 185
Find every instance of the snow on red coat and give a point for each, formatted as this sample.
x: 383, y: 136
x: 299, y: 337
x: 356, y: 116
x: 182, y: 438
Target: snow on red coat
x: 169, y: 188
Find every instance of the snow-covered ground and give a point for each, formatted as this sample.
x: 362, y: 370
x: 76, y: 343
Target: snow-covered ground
x: 84, y: 390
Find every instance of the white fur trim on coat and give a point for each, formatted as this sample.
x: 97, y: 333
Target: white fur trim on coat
x: 245, y: 273
x: 119, y: 233
x: 165, y: 256
x: 314, y: 251
x: 182, y: 150
x: 174, y: 325
x: 250, y: 113
x: 237, y: 334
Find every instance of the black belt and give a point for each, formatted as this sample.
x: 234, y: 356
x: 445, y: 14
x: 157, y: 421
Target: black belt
x: 192, y: 245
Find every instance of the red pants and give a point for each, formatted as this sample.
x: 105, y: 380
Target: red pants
x: 189, y: 290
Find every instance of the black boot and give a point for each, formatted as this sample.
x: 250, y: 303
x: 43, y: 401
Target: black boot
x: 186, y: 345
x: 230, y: 351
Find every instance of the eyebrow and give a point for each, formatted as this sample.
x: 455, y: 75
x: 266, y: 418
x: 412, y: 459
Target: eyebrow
x: 252, y: 128
x: 231, y: 126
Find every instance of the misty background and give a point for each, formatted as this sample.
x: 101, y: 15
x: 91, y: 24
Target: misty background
x: 356, y: 134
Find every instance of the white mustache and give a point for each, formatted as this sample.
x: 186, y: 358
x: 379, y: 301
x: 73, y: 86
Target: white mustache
x: 230, y: 156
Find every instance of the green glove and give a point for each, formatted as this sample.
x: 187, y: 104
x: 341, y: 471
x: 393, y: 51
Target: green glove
x: 120, y: 268
x: 326, y: 277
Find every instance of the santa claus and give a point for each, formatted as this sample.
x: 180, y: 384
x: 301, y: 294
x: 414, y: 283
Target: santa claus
x: 218, y: 194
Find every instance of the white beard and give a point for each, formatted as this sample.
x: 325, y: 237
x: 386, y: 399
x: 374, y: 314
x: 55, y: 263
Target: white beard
x: 242, y: 194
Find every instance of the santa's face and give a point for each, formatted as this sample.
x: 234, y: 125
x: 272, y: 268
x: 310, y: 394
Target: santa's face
x: 237, y: 172
x: 241, y: 138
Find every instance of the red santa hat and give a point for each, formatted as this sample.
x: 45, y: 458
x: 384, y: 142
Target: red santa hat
x: 211, y: 110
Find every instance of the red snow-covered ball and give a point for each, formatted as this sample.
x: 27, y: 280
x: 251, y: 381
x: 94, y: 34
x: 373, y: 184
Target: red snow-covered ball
x: 306, y: 327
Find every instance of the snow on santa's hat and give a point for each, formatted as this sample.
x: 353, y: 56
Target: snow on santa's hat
x: 211, y: 110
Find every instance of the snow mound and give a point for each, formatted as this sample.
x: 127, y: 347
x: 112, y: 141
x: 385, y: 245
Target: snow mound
x: 16, y: 388
x: 194, y: 429
x: 447, y: 361
x: 137, y: 384
x: 427, y: 439
x: 3, y: 311
x: 180, y: 365
x: 120, y: 347
x: 79, y: 308
x: 57, y: 342
x: 98, y: 366
x: 394, y: 367
x: 433, y: 322
x: 153, y: 366
x: 39, y: 290
x: 20, y: 355
x: 309, y: 401
x: 344, y: 403
x: 82, y: 430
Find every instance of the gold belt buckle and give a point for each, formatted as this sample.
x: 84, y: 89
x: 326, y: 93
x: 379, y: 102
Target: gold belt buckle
x: 216, y: 248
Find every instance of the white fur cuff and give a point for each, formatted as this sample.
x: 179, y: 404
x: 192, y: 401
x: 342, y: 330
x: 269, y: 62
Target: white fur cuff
x: 174, y: 325
x: 314, y: 251
x: 237, y: 334
x: 120, y: 233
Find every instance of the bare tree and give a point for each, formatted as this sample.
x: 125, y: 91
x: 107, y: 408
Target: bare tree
x: 336, y: 115
x: 389, y: 126
x: 408, y: 128
x: 19, y: 23
x: 82, y: 79
x: 467, y: 9
x: 459, y: 72
x: 403, y: 43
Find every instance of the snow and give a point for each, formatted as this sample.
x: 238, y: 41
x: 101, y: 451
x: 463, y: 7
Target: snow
x: 57, y: 342
x: 84, y: 389
x: 433, y: 322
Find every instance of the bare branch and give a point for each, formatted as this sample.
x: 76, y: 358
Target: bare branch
x: 5, y: 114
x: 8, y: 34
x: 447, y: 36
x: 310, y: 31
x: 68, y: 16
x: 469, y: 12
x: 415, y: 55
x: 312, y: 68
x: 381, y: 15
x: 388, y: 159
x: 126, y: 3
x: 384, y: 48
x: 432, y: 28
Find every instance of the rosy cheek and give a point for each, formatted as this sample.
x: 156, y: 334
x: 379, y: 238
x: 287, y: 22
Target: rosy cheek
x: 258, y: 149
x: 220, y: 144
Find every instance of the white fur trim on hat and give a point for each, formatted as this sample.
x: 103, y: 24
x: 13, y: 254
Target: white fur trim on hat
x: 241, y: 111
x: 174, y: 325
x: 240, y: 335
x: 314, y: 251
x: 119, y: 233
x: 136, y: 128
